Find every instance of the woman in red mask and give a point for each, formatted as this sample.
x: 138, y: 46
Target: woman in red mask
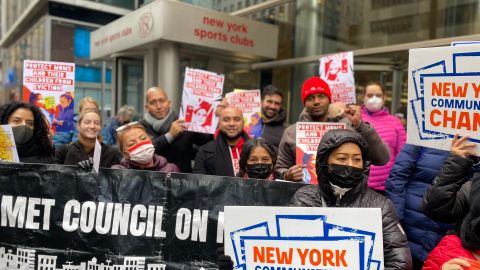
x: 138, y: 150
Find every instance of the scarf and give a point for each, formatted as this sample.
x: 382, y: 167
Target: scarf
x: 163, y: 125
x: 235, y: 152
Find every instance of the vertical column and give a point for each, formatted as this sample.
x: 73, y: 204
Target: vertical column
x: 307, y: 42
x: 168, y: 72
x: 397, y: 87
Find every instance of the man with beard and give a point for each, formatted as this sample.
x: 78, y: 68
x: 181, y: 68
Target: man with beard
x: 168, y: 133
x: 316, y: 97
x: 222, y: 155
x: 270, y: 125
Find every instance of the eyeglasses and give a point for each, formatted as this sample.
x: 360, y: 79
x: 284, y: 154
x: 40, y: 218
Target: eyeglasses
x: 127, y: 125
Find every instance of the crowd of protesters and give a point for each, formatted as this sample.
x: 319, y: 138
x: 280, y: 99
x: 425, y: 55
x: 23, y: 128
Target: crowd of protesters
x: 430, y: 199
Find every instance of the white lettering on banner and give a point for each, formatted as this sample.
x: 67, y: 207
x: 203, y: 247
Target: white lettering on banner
x: 182, y: 226
x: 220, y: 228
x: 105, y: 218
x: 127, y: 220
x: 107, y: 223
x: 138, y: 228
x: 199, y: 225
x: 22, y: 213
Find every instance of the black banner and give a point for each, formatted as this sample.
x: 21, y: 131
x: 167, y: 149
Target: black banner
x: 59, y: 217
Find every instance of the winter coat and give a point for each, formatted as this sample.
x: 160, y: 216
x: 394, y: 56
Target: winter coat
x: 392, y: 132
x: 448, y: 199
x: 181, y: 151
x: 395, y: 246
x: 448, y: 248
x: 160, y: 165
x: 29, y: 153
x: 71, y: 154
x: 214, y: 158
x: 411, y: 176
x: 272, y: 129
x: 286, y: 150
x: 470, y: 230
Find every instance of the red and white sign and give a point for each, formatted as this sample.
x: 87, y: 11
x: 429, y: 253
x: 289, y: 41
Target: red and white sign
x: 337, y: 71
x: 309, y: 135
x: 202, y: 92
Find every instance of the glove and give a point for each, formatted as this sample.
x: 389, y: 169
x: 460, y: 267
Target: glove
x: 224, y: 261
x: 86, y: 165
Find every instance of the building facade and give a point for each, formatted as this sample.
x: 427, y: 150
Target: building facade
x: 380, y: 32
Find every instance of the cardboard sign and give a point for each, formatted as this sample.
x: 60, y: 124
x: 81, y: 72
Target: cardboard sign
x: 50, y: 86
x: 263, y: 237
x: 249, y: 101
x: 97, y: 153
x: 443, y: 95
x: 309, y: 135
x: 202, y: 92
x: 8, y: 150
x: 337, y: 71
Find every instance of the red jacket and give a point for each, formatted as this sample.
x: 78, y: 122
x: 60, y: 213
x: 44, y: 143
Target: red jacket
x: 448, y: 248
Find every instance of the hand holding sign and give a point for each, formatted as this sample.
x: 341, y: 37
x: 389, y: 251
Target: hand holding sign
x: 295, y: 173
x: 177, y: 127
x: 462, y: 148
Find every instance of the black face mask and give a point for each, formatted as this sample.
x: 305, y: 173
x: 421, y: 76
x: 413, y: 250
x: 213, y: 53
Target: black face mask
x: 22, y: 134
x: 345, y: 176
x: 259, y: 171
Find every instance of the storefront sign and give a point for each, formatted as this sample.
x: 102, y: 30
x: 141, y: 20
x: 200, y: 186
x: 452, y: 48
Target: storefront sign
x: 443, y: 95
x: 184, y: 23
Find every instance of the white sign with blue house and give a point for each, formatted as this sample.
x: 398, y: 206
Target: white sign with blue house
x: 264, y: 238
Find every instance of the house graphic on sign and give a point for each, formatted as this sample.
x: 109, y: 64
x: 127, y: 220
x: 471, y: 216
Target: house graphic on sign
x: 24, y: 259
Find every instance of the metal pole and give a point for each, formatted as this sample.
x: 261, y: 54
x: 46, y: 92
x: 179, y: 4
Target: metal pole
x: 102, y: 99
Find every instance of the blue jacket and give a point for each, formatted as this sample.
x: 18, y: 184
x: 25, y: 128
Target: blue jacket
x: 411, y: 176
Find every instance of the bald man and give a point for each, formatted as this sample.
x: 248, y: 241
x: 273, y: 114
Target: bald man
x: 222, y: 155
x: 168, y: 133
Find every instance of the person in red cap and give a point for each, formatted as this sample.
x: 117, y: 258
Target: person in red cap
x: 316, y: 98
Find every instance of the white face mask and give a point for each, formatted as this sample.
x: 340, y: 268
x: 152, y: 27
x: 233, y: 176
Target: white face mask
x: 374, y: 104
x: 142, y: 154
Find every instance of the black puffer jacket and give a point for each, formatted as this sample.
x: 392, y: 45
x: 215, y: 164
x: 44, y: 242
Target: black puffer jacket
x: 272, y: 130
x: 448, y: 199
x: 470, y: 232
x: 395, y: 245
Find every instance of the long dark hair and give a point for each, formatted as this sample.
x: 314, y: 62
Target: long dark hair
x: 40, y: 131
x: 247, y: 149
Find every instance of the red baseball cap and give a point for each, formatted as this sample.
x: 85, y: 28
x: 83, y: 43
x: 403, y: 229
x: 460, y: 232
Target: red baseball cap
x: 314, y: 85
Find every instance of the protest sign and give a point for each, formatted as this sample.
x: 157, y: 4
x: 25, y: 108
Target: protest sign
x: 443, y: 95
x: 474, y: 265
x: 50, y: 86
x: 249, y: 101
x: 54, y: 215
x: 337, y: 71
x: 202, y: 92
x: 308, y: 136
x: 263, y: 237
x: 8, y: 149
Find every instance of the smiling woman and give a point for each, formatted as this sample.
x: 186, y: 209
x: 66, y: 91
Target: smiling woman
x: 89, y: 126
